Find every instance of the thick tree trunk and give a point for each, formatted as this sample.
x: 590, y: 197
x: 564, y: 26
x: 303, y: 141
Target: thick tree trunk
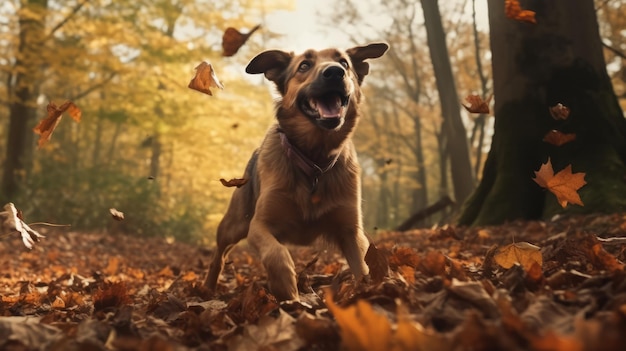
x: 22, y: 109
x: 457, y: 145
x: 557, y: 60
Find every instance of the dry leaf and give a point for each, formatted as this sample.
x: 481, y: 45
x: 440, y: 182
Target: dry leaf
x: 522, y: 253
x: 378, y: 263
x: 11, y: 220
x: 558, y: 138
x: 411, y: 335
x: 238, y: 182
x: 117, y: 215
x: 205, y: 79
x: 564, y: 185
x: 513, y: 10
x: 361, y: 327
x: 233, y: 40
x: 47, y: 125
x: 559, y: 111
x: 477, y: 105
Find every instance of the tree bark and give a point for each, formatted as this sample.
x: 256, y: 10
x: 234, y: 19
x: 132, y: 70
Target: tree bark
x: 457, y: 145
x: 23, y: 99
x: 536, y: 66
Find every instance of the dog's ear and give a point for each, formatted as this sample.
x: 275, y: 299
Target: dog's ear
x: 272, y: 63
x: 359, y: 54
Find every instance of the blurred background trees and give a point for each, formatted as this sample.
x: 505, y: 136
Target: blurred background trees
x: 154, y: 149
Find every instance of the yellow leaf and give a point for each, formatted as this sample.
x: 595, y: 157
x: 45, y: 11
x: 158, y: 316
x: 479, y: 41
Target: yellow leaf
x: 361, y: 327
x: 524, y: 253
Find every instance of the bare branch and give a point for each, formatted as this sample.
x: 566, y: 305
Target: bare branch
x: 614, y: 50
x: 66, y: 19
x: 94, y: 87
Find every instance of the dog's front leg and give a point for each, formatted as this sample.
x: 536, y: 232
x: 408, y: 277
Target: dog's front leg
x: 280, y: 268
x: 353, y: 243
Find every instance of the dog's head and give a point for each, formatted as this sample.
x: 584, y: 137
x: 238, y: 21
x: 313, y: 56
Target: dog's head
x: 320, y: 85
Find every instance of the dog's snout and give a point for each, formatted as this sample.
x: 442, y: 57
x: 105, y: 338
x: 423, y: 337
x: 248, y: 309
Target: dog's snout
x: 333, y: 73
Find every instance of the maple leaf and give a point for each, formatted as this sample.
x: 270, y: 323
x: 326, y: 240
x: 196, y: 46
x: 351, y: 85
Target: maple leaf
x: 238, y: 182
x: 11, y: 220
x: 47, y: 125
x: 564, y: 184
x: 558, y: 138
x: 513, y: 10
x: 559, y: 111
x: 524, y: 253
x: 204, y: 79
x: 233, y: 40
x: 477, y: 105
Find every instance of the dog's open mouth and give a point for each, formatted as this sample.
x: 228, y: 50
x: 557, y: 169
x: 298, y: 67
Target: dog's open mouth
x: 327, y: 109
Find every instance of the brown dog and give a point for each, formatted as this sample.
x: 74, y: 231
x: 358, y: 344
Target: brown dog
x: 304, y: 180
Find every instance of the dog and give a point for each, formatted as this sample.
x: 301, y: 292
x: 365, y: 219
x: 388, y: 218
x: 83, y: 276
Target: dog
x: 303, y: 182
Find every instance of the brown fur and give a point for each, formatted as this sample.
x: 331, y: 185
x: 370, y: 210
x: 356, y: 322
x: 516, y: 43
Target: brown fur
x: 279, y: 204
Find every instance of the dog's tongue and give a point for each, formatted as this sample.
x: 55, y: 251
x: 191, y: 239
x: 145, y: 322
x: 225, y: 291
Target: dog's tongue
x: 328, y: 107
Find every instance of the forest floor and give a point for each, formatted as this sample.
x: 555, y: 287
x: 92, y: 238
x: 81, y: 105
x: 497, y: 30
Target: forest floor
x: 444, y: 288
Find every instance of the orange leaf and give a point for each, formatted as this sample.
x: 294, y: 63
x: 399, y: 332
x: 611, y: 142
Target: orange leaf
x: 477, y: 105
x: 559, y: 111
x: 523, y: 253
x: 564, y: 185
x: 362, y: 328
x: 233, y: 40
x: 557, y: 138
x: 238, y: 182
x: 204, y: 79
x: 513, y: 10
x: 47, y: 125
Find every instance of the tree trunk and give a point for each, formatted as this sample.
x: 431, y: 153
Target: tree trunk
x: 536, y: 66
x: 22, y: 104
x: 457, y: 144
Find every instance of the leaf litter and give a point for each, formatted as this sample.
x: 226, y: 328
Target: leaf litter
x: 431, y: 289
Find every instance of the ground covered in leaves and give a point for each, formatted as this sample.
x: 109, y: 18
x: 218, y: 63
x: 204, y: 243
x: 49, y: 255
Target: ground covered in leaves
x: 438, y: 289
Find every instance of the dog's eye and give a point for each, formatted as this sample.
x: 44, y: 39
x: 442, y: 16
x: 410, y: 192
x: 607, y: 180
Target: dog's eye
x: 304, y: 66
x: 344, y: 63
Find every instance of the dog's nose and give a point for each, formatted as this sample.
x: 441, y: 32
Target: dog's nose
x: 333, y: 73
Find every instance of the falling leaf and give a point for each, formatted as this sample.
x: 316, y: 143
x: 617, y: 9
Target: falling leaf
x: 559, y: 111
x: 558, y: 138
x: 117, y: 215
x: 47, y: 125
x: 233, y: 40
x: 564, y: 185
x: 238, y: 182
x: 513, y: 10
x: 477, y: 105
x: 361, y: 327
x: 11, y: 220
x: 522, y: 253
x: 205, y: 79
